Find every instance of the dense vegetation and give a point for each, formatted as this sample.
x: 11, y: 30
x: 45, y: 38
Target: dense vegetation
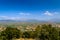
x: 43, y: 32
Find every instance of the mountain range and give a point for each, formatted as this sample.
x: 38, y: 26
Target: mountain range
x: 32, y: 20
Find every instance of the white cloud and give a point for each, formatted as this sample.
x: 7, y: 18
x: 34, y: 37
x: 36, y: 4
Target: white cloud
x: 25, y: 14
x: 11, y: 18
x: 3, y: 16
x: 48, y: 13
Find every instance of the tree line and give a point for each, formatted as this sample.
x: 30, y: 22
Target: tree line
x: 43, y: 32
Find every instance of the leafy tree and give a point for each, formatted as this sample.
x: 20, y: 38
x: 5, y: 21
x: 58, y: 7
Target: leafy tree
x: 38, y: 31
x: 10, y: 33
x: 26, y: 35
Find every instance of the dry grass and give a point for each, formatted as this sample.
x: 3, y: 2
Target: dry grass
x: 25, y: 39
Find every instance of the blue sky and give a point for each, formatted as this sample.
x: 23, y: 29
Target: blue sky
x: 29, y: 9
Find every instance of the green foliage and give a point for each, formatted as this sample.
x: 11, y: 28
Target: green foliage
x: 10, y: 33
x: 43, y: 32
x: 47, y: 32
x: 26, y: 35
